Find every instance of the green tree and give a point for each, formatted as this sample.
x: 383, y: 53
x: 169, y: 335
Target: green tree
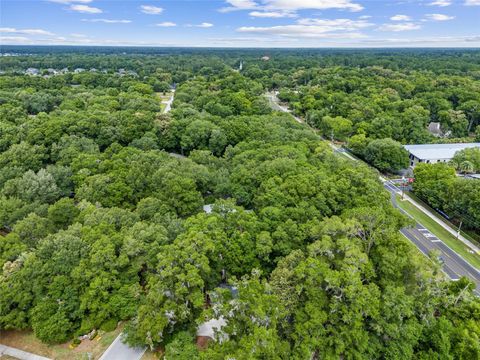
x: 432, y: 182
x: 471, y: 155
x: 386, y: 155
x: 62, y: 213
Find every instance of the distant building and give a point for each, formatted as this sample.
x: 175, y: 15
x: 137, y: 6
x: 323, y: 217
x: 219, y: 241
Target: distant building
x: 435, y: 153
x: 435, y: 129
x: 32, y: 71
x: 78, y: 70
x: 132, y: 73
x: 265, y: 58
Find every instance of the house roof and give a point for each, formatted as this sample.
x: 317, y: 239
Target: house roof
x: 437, y: 151
x: 208, y: 328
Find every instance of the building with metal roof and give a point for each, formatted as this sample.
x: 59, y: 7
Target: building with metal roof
x: 434, y: 153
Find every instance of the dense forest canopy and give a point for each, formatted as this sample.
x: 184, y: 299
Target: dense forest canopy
x: 102, y: 196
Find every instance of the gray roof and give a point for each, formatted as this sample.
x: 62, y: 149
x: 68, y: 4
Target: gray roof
x: 437, y: 151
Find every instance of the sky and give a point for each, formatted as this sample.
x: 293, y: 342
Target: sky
x: 242, y: 23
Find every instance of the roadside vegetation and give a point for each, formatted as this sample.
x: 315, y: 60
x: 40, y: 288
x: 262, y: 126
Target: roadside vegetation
x: 437, y: 230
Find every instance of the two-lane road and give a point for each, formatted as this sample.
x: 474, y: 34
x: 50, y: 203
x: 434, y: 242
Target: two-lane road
x: 453, y: 264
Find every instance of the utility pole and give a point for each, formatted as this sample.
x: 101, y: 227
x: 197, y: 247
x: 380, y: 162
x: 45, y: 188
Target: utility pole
x: 459, y: 228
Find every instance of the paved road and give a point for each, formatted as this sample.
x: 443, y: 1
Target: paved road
x: 275, y: 105
x: 168, y: 103
x: 120, y: 351
x: 454, y: 265
x: 19, y: 354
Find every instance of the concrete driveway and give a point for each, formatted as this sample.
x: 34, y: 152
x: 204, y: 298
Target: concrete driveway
x: 121, y: 351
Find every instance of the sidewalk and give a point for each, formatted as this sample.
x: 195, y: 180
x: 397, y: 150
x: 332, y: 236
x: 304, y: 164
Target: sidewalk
x: 19, y: 354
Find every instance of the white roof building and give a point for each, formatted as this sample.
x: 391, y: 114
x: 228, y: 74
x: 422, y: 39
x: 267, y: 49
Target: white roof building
x: 208, y: 329
x: 32, y: 71
x: 433, y: 153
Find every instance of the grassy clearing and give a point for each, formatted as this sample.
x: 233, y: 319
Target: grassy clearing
x: 26, y: 341
x: 438, y: 231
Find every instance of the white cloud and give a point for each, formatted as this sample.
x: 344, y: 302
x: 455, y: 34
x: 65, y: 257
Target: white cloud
x: 70, y: 1
x: 239, y: 5
x: 439, y: 17
x: 472, y: 2
x: 242, y: 4
x: 85, y: 9
x: 291, y: 5
x: 407, y: 26
x: 314, y: 28
x: 166, y: 24
x: 401, y: 18
x: 441, y: 3
x: 312, y: 4
x: 336, y: 24
x: 109, y: 21
x: 13, y: 39
x: 78, y: 36
x: 151, y: 10
x: 272, y: 14
x: 202, y: 25
x: 25, y: 31
x: 301, y: 31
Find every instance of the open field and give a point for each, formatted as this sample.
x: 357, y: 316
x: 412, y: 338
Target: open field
x: 439, y: 232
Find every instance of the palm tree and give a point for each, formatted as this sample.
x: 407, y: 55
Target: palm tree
x: 466, y: 167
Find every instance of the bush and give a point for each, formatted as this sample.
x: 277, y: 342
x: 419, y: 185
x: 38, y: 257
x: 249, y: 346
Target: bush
x: 109, y: 325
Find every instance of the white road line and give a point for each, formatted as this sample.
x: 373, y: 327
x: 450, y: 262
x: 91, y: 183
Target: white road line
x: 436, y: 240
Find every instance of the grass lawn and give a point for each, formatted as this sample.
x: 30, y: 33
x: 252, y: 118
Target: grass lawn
x: 438, y: 231
x: 468, y: 235
x: 26, y: 341
x: 150, y: 355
